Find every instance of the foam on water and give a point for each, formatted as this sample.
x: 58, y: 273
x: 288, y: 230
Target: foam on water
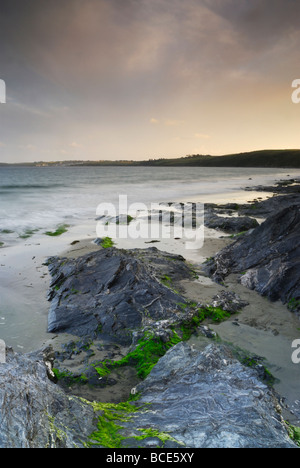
x: 41, y: 198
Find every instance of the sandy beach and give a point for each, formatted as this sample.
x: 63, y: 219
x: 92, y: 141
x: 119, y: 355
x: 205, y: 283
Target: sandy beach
x: 24, y: 284
x: 263, y: 328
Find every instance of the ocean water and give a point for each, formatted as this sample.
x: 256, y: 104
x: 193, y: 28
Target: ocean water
x: 38, y: 199
x: 34, y: 200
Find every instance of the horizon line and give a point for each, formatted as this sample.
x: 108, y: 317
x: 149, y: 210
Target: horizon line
x: 145, y: 160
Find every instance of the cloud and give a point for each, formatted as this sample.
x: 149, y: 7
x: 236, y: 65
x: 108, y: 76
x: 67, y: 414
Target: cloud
x: 167, y: 122
x: 105, y: 66
x: 203, y: 136
x: 29, y: 147
x: 119, y: 51
x: 173, y: 123
x: 27, y: 109
x: 102, y: 49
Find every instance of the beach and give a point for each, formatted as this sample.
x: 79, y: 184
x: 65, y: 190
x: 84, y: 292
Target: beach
x: 36, y: 200
x: 264, y: 328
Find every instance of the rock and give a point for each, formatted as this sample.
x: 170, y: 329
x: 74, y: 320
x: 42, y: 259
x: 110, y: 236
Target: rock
x: 283, y: 197
x: 283, y: 186
x: 194, y: 399
x: 268, y: 259
x: 229, y: 301
x: 271, y: 206
x: 205, y: 400
x: 190, y: 399
x: 34, y: 412
x: 111, y: 292
x: 231, y: 225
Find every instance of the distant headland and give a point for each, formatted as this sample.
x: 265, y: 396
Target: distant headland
x: 289, y: 158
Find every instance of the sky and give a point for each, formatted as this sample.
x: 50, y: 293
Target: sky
x: 141, y: 79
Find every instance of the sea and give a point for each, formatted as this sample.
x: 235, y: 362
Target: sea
x: 35, y: 200
x: 38, y: 200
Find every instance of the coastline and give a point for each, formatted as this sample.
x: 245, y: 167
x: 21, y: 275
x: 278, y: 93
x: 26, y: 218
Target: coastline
x: 266, y: 329
x: 23, y: 276
x: 247, y: 353
x: 263, y: 328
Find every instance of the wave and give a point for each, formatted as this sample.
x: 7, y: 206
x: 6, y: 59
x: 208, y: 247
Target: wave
x: 28, y: 187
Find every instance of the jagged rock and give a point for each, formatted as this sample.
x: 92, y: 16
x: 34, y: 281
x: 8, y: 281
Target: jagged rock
x: 191, y: 398
x: 36, y: 413
x: 112, y: 291
x: 229, y: 301
x: 284, y: 196
x: 283, y: 186
x: 268, y: 259
x: 271, y: 206
x: 232, y: 225
x: 206, y: 400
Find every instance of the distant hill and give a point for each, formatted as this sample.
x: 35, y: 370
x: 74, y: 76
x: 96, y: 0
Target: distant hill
x: 289, y: 158
x: 265, y: 158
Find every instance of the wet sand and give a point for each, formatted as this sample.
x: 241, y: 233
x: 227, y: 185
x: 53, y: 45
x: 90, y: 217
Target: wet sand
x: 264, y: 328
x: 24, y: 284
x: 24, y: 280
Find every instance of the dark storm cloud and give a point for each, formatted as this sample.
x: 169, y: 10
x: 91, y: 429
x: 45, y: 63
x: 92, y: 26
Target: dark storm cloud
x: 263, y: 17
x: 101, y: 47
x: 262, y: 26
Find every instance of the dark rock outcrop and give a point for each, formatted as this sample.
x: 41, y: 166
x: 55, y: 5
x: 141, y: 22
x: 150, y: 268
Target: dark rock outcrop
x: 36, y: 413
x: 205, y: 400
x: 268, y: 258
x: 282, y: 186
x: 232, y: 225
x: 269, y: 207
x: 113, y: 292
x: 190, y: 399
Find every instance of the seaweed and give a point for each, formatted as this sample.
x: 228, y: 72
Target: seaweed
x: 59, y: 231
